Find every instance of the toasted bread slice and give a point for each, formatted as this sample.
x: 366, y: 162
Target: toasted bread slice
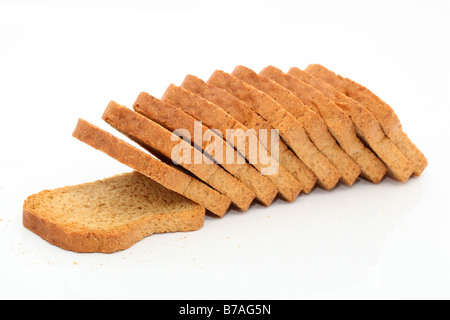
x: 290, y: 129
x: 371, y: 166
x: 250, y: 119
x: 109, y: 215
x: 384, y: 113
x: 214, y: 117
x: 147, y: 165
x: 368, y: 129
x: 162, y: 143
x: 173, y: 118
x: 316, y: 130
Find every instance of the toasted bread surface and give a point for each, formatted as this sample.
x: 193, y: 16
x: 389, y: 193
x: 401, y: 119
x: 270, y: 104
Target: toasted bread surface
x: 313, y: 125
x: 383, y: 112
x: 109, y: 215
x: 174, y: 119
x: 158, y: 139
x: 214, y: 117
x: 250, y: 119
x: 290, y: 129
x: 368, y: 130
x: 141, y: 161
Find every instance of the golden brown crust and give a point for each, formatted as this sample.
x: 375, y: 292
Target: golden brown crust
x: 166, y: 175
x: 372, y: 168
x: 250, y: 119
x: 290, y: 129
x: 368, y: 130
x: 174, y: 118
x: 216, y: 118
x: 314, y: 125
x: 384, y: 113
x: 108, y: 242
x: 82, y: 240
x: 154, y: 137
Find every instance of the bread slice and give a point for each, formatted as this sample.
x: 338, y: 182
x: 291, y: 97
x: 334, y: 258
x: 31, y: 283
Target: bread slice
x: 109, y: 215
x: 316, y: 129
x: 147, y: 165
x: 290, y: 129
x: 384, y: 113
x: 250, y: 119
x: 214, y: 117
x: 372, y: 167
x: 325, y: 127
x: 173, y: 118
x: 367, y: 127
x: 162, y: 143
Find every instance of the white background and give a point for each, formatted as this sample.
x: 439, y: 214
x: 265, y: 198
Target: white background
x: 62, y: 60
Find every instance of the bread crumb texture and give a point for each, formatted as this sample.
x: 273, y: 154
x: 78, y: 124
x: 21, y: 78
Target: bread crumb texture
x: 109, y: 215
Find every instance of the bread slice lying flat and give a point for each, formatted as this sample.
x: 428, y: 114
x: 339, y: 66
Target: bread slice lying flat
x: 384, y: 113
x: 159, y: 141
x: 144, y: 163
x: 109, y: 215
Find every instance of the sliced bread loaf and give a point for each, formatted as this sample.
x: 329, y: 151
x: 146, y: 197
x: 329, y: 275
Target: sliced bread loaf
x: 368, y: 129
x: 109, y: 215
x: 316, y: 130
x: 250, y: 119
x: 174, y: 118
x: 163, y: 143
x: 214, y: 117
x: 151, y: 167
x: 372, y: 168
x: 384, y: 113
x: 290, y: 129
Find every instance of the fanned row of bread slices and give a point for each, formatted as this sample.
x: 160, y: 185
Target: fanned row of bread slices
x: 330, y: 130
